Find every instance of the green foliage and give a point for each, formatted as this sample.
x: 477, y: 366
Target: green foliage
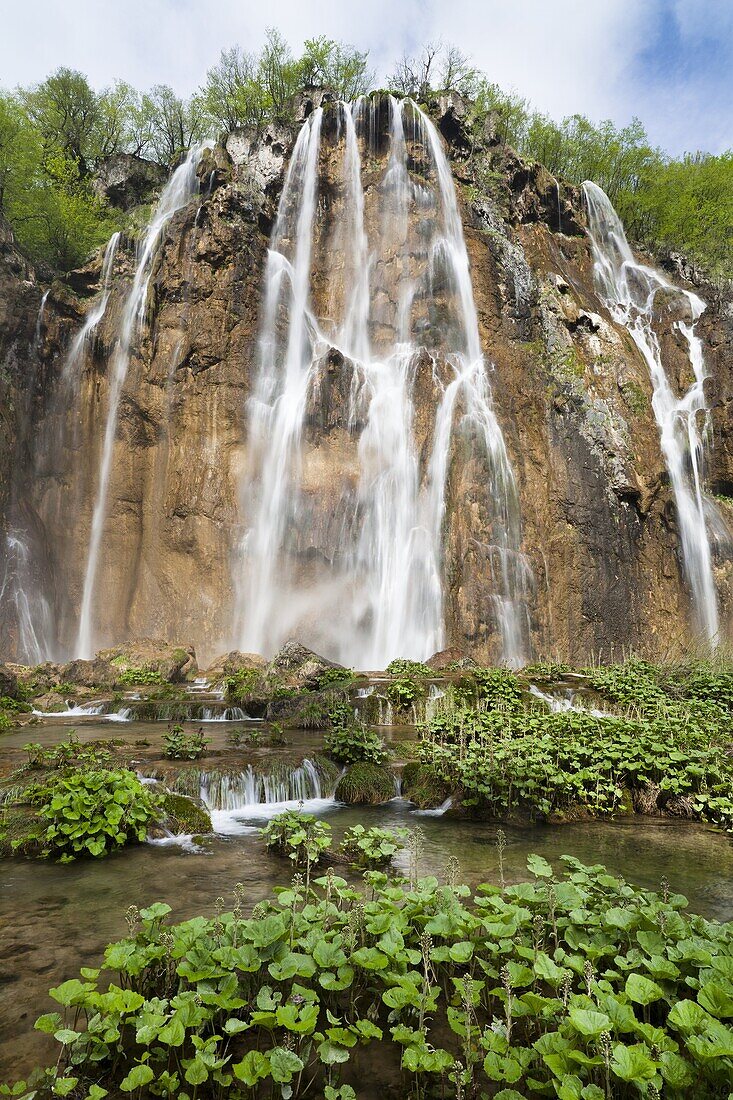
x: 402, y: 667
x: 300, y: 837
x: 575, y: 985
x: 179, y: 745
x: 558, y: 763
x: 93, y: 812
x: 373, y: 848
x: 183, y: 815
x: 403, y: 692
x: 666, y: 204
x: 136, y: 677
x: 332, y: 677
x: 498, y: 689
x: 348, y: 740
x: 247, y: 89
x: 366, y: 783
x: 240, y: 686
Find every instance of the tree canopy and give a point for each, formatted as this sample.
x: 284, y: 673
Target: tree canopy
x: 54, y: 134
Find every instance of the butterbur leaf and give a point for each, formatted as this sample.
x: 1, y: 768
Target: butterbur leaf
x: 136, y: 1078
x: 643, y: 990
x: 539, y: 867
x: 588, y: 1022
x: 716, y: 999
x: 253, y: 1067
x: 48, y: 1023
x: 62, y: 1086
x: 632, y: 1063
x: 283, y: 1064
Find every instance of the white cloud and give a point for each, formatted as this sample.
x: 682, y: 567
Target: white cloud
x: 565, y: 55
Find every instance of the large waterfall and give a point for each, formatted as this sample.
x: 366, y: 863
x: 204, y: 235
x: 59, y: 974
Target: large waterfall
x: 630, y: 291
x: 397, y: 283
x: 181, y: 187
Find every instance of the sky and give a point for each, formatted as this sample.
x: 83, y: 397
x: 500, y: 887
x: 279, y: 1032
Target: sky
x: 669, y: 62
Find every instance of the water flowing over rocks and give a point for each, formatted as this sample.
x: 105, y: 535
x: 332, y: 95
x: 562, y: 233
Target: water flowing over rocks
x: 565, y: 527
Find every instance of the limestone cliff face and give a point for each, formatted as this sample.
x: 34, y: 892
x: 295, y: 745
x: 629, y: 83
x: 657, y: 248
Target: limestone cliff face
x: 571, y: 391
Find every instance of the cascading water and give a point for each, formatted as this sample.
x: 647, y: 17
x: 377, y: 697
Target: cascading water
x: 181, y: 187
x: 629, y: 290
x: 385, y: 575
x: 75, y: 356
x: 21, y: 593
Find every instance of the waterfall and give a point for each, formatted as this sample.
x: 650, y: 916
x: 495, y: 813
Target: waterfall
x: 181, y: 187
x: 629, y: 290
x: 288, y: 783
x: 38, y: 332
x: 20, y: 590
x: 75, y: 355
x: 385, y: 574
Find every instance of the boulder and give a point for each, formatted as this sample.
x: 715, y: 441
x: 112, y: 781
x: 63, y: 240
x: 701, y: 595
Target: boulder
x: 229, y: 664
x: 96, y: 673
x: 8, y: 682
x: 125, y: 180
x: 451, y: 656
x: 172, y: 663
x: 297, y: 666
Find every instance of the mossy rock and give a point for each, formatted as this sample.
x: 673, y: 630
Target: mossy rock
x: 183, y: 815
x: 366, y: 783
x: 20, y: 831
x: 422, y: 786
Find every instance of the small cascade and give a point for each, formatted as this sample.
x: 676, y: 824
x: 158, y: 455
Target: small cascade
x: 179, y: 190
x: 437, y: 811
x: 38, y: 332
x: 629, y: 290
x: 89, y: 710
x: 200, y: 686
x: 236, y: 798
x: 229, y: 714
x: 433, y: 704
x: 565, y: 700
x: 386, y: 575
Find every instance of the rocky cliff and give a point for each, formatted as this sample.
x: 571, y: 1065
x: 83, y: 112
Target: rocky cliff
x: 570, y: 389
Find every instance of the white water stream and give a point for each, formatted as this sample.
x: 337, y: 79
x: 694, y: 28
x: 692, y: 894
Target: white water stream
x: 630, y: 290
x: 179, y: 190
x: 385, y: 579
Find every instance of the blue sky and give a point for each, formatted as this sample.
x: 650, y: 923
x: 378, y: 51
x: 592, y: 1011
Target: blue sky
x: 668, y: 61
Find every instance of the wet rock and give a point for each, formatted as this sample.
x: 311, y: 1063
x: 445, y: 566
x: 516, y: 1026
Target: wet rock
x: 366, y: 784
x: 454, y: 656
x: 8, y: 682
x: 98, y: 672
x: 298, y: 666
x: 125, y: 180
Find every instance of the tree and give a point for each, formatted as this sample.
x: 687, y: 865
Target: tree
x: 334, y: 65
x: 66, y: 110
x: 233, y: 95
x: 174, y: 124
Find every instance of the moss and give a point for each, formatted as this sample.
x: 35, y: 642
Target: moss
x: 366, y: 783
x: 20, y: 831
x: 422, y: 786
x: 635, y: 397
x: 404, y: 750
x: 183, y: 815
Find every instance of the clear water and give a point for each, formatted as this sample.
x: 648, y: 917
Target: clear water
x: 46, y: 933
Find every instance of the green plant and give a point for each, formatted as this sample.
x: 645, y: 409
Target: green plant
x: 335, y: 676
x: 139, y: 676
x: 180, y: 745
x: 366, y: 783
x: 403, y: 691
x: 573, y: 984
x: 348, y: 740
x: 372, y: 848
x: 402, y: 667
x: 93, y: 812
x: 299, y: 836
